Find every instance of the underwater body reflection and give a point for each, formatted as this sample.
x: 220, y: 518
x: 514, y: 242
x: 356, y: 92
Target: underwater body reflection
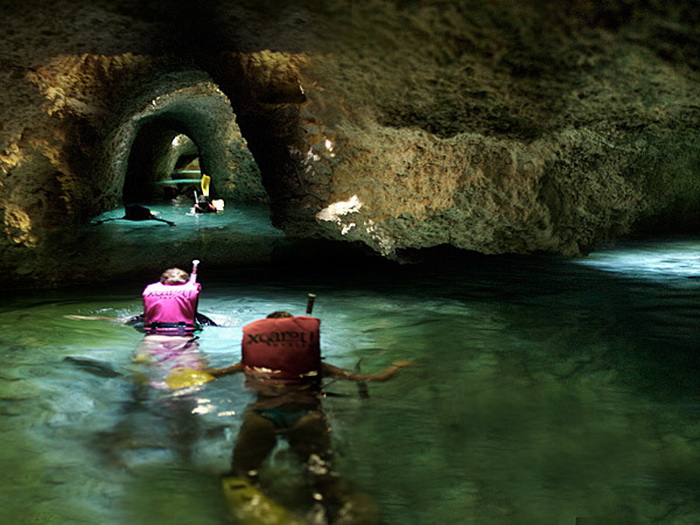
x: 550, y: 391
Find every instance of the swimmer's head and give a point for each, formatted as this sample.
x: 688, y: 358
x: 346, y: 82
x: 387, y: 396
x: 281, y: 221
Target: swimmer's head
x: 277, y: 315
x: 174, y: 276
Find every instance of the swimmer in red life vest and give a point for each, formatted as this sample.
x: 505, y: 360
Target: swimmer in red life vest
x: 282, y: 361
x: 170, y: 320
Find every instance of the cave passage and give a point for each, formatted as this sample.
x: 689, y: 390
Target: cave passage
x: 160, y: 153
x: 163, y: 227
x: 187, y: 175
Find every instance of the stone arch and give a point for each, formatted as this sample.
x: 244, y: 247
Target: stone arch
x: 138, y: 151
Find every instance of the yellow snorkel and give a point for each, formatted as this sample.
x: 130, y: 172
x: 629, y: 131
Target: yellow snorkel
x: 206, y: 181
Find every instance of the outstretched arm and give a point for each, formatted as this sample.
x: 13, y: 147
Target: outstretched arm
x: 97, y: 318
x: 340, y: 373
x: 219, y: 372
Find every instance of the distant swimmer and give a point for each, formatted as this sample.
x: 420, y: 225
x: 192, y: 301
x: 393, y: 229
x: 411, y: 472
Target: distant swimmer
x: 136, y: 212
x: 203, y: 205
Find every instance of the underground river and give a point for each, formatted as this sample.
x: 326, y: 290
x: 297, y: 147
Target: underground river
x: 550, y: 391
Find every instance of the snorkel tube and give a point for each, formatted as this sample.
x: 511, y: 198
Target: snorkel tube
x: 193, y: 273
x: 310, y: 303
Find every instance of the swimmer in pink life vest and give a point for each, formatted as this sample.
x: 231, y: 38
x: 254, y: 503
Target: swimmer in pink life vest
x: 170, y: 305
x: 281, y: 359
x: 170, y: 313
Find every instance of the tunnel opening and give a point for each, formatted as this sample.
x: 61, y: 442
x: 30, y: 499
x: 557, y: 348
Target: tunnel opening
x: 156, y: 160
x: 164, y: 165
x: 179, y: 126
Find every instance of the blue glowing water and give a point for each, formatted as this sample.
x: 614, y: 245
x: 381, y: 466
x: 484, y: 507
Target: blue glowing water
x: 549, y: 390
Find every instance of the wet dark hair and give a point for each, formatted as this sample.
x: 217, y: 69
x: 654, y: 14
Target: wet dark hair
x: 276, y: 315
x: 174, y: 276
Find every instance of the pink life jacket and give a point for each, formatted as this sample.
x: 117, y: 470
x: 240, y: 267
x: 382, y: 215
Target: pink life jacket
x: 170, y: 309
x: 284, y: 348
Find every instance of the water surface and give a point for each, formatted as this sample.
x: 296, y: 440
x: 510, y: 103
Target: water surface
x: 549, y: 390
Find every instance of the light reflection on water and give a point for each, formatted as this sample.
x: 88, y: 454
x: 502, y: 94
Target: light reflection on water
x: 669, y: 261
x: 549, y: 390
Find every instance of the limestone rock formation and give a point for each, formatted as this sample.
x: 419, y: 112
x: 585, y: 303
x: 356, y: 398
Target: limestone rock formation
x: 497, y: 127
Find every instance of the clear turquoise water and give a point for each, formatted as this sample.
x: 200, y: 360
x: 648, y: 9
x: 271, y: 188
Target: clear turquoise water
x: 549, y: 390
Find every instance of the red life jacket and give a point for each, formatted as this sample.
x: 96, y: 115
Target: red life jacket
x: 170, y: 309
x: 285, y: 348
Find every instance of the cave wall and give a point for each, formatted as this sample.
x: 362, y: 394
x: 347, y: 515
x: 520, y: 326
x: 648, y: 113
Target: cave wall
x: 496, y: 127
x: 503, y: 126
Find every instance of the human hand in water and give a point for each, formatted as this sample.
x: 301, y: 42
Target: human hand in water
x: 96, y: 318
x: 404, y: 363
